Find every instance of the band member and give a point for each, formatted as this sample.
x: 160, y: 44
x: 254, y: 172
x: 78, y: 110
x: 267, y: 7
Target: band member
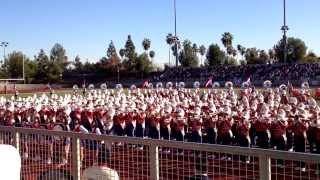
x: 165, y: 129
x: 278, y: 131
x: 131, y: 124
x: 120, y: 124
x: 141, y: 128
x: 196, y: 126
x: 261, y: 125
x: 211, y: 127
x: 108, y: 124
x: 224, y: 125
x: 154, y: 129
x: 300, y: 127
x: 180, y: 129
x: 243, y: 130
x: 50, y: 126
x: 278, y: 134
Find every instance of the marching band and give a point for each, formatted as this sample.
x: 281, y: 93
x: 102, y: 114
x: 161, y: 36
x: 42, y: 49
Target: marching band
x: 269, y: 118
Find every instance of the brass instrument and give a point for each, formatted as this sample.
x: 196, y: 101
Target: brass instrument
x: 228, y: 85
x: 103, y: 86
x: 216, y: 85
x: 159, y: 85
x: 169, y: 85
x: 181, y: 85
x: 267, y: 84
x: 196, y: 84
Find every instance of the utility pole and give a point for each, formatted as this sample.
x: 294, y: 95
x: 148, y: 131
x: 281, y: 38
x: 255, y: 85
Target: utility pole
x: 284, y: 29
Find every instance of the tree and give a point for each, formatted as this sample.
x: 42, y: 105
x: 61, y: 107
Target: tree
x: 187, y: 57
x: 215, y: 56
x: 241, y: 50
x: 146, y: 44
x: 263, y: 57
x: 130, y: 53
x: 111, y: 50
x: 231, y: 61
x: 169, y: 41
x: 227, y: 39
x: 144, y: 64
x: 13, y: 65
x: 58, y: 56
x: 202, y: 51
x: 43, y: 65
x: 78, y: 64
x: 256, y: 56
x: 195, y: 48
x: 297, y: 50
x: 272, y: 55
x: 252, y: 56
x: 152, y: 54
x: 311, y: 58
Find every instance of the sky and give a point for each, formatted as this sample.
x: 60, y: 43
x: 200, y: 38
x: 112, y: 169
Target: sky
x: 86, y: 27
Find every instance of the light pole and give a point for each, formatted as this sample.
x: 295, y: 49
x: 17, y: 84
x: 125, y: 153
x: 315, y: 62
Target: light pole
x: 4, y: 44
x: 284, y: 29
x: 175, y: 32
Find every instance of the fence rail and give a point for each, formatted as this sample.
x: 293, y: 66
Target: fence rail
x: 133, y: 158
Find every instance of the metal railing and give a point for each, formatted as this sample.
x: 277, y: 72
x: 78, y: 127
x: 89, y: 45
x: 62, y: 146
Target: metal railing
x: 131, y: 158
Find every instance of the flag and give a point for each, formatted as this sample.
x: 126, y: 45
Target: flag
x: 209, y: 82
x: 145, y: 84
x: 290, y: 87
x: 248, y: 81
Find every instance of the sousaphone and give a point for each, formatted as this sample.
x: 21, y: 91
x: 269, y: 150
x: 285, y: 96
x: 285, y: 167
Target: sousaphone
x: 228, y: 85
x: 196, y: 84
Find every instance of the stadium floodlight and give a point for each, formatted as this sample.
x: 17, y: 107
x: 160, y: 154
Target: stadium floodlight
x: 284, y: 29
x: 4, y: 44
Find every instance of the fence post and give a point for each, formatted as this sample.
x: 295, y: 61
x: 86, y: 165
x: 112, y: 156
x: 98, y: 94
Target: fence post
x: 75, y: 156
x: 154, y: 161
x: 264, y: 167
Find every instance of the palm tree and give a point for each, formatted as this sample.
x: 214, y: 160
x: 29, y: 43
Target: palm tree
x: 152, y: 54
x: 170, y: 41
x: 202, y: 51
x: 146, y: 44
x: 227, y: 39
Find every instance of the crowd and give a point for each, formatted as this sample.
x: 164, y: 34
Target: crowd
x: 273, y: 72
x: 268, y: 118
